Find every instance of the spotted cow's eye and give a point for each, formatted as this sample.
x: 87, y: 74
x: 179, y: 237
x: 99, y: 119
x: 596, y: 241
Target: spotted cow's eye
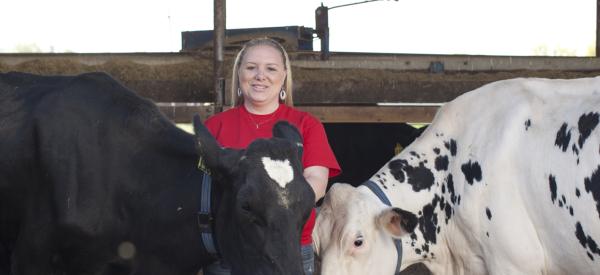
x: 359, y: 241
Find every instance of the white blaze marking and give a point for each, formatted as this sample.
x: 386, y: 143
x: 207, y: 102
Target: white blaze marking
x: 279, y: 170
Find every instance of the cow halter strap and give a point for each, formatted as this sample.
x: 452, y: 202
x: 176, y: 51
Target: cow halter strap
x: 205, y: 218
x: 379, y: 193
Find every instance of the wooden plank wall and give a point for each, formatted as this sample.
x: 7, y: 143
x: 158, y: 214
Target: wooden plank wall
x: 349, y: 87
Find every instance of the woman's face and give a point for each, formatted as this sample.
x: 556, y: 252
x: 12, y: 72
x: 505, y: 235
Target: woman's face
x: 261, y: 75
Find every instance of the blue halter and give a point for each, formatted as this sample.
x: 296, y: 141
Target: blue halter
x: 398, y: 243
x: 205, y: 218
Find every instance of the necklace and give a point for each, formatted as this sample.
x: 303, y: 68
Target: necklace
x: 262, y: 122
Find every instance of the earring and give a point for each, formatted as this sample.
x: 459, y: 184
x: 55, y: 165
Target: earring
x: 239, y: 92
x: 282, y: 95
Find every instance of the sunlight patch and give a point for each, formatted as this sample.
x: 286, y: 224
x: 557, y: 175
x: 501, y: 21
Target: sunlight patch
x: 279, y: 170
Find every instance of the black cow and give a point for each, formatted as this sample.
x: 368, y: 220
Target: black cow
x: 362, y: 148
x: 95, y: 180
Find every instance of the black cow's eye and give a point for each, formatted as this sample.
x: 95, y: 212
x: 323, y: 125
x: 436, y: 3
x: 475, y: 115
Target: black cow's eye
x: 251, y: 214
x: 359, y: 241
x: 247, y: 209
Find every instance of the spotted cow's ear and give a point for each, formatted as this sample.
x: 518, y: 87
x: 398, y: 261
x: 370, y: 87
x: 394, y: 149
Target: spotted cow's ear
x: 397, y: 222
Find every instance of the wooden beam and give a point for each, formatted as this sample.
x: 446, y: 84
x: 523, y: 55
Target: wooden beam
x: 373, y: 114
x: 184, y: 112
x: 346, y: 79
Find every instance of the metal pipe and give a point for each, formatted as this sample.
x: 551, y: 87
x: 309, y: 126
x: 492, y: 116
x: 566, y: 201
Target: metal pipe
x: 345, y: 5
x: 322, y: 25
x: 218, y: 46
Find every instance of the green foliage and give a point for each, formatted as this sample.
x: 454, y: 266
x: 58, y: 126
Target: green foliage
x: 27, y: 48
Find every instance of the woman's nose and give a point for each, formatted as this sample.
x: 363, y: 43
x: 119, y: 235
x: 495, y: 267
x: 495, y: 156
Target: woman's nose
x: 260, y: 74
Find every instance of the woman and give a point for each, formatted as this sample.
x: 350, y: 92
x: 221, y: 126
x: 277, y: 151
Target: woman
x: 262, y: 94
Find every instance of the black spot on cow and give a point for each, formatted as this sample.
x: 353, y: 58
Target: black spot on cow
x: 428, y: 224
x: 488, y: 213
x: 580, y: 235
x: 564, y: 199
x: 577, y: 193
x: 441, y: 163
x: 571, y: 210
x: 436, y: 201
x: 552, y: 182
x: 414, y: 154
x: 448, y: 211
x: 586, y: 241
x: 436, y: 151
x: 560, y: 204
x: 383, y: 184
x: 450, y: 183
x: 563, y: 137
x: 472, y: 171
x: 575, y: 150
x: 586, y: 124
x: 413, y: 236
x: 592, y: 185
x: 487, y: 234
x: 418, y: 251
x: 396, y: 170
x: 420, y: 177
x: 527, y: 124
x: 451, y: 145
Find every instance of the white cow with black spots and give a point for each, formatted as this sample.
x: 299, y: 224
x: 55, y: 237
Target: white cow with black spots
x: 506, y: 180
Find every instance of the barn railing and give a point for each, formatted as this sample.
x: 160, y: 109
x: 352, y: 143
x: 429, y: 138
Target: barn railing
x: 349, y: 87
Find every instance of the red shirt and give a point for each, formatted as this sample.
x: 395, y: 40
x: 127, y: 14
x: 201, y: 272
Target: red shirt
x: 237, y: 128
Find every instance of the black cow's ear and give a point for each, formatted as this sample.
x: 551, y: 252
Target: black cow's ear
x: 207, y: 146
x: 285, y: 130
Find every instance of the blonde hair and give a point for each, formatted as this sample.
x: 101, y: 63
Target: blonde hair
x: 235, y: 84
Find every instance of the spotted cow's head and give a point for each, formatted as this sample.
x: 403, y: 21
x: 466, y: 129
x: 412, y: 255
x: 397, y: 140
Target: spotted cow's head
x: 264, y: 200
x: 354, y: 232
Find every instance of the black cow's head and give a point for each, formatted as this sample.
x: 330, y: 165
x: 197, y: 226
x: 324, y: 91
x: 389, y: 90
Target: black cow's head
x: 264, y: 200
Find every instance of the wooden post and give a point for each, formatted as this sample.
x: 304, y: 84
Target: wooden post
x: 322, y: 29
x: 597, y: 28
x: 218, y: 45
